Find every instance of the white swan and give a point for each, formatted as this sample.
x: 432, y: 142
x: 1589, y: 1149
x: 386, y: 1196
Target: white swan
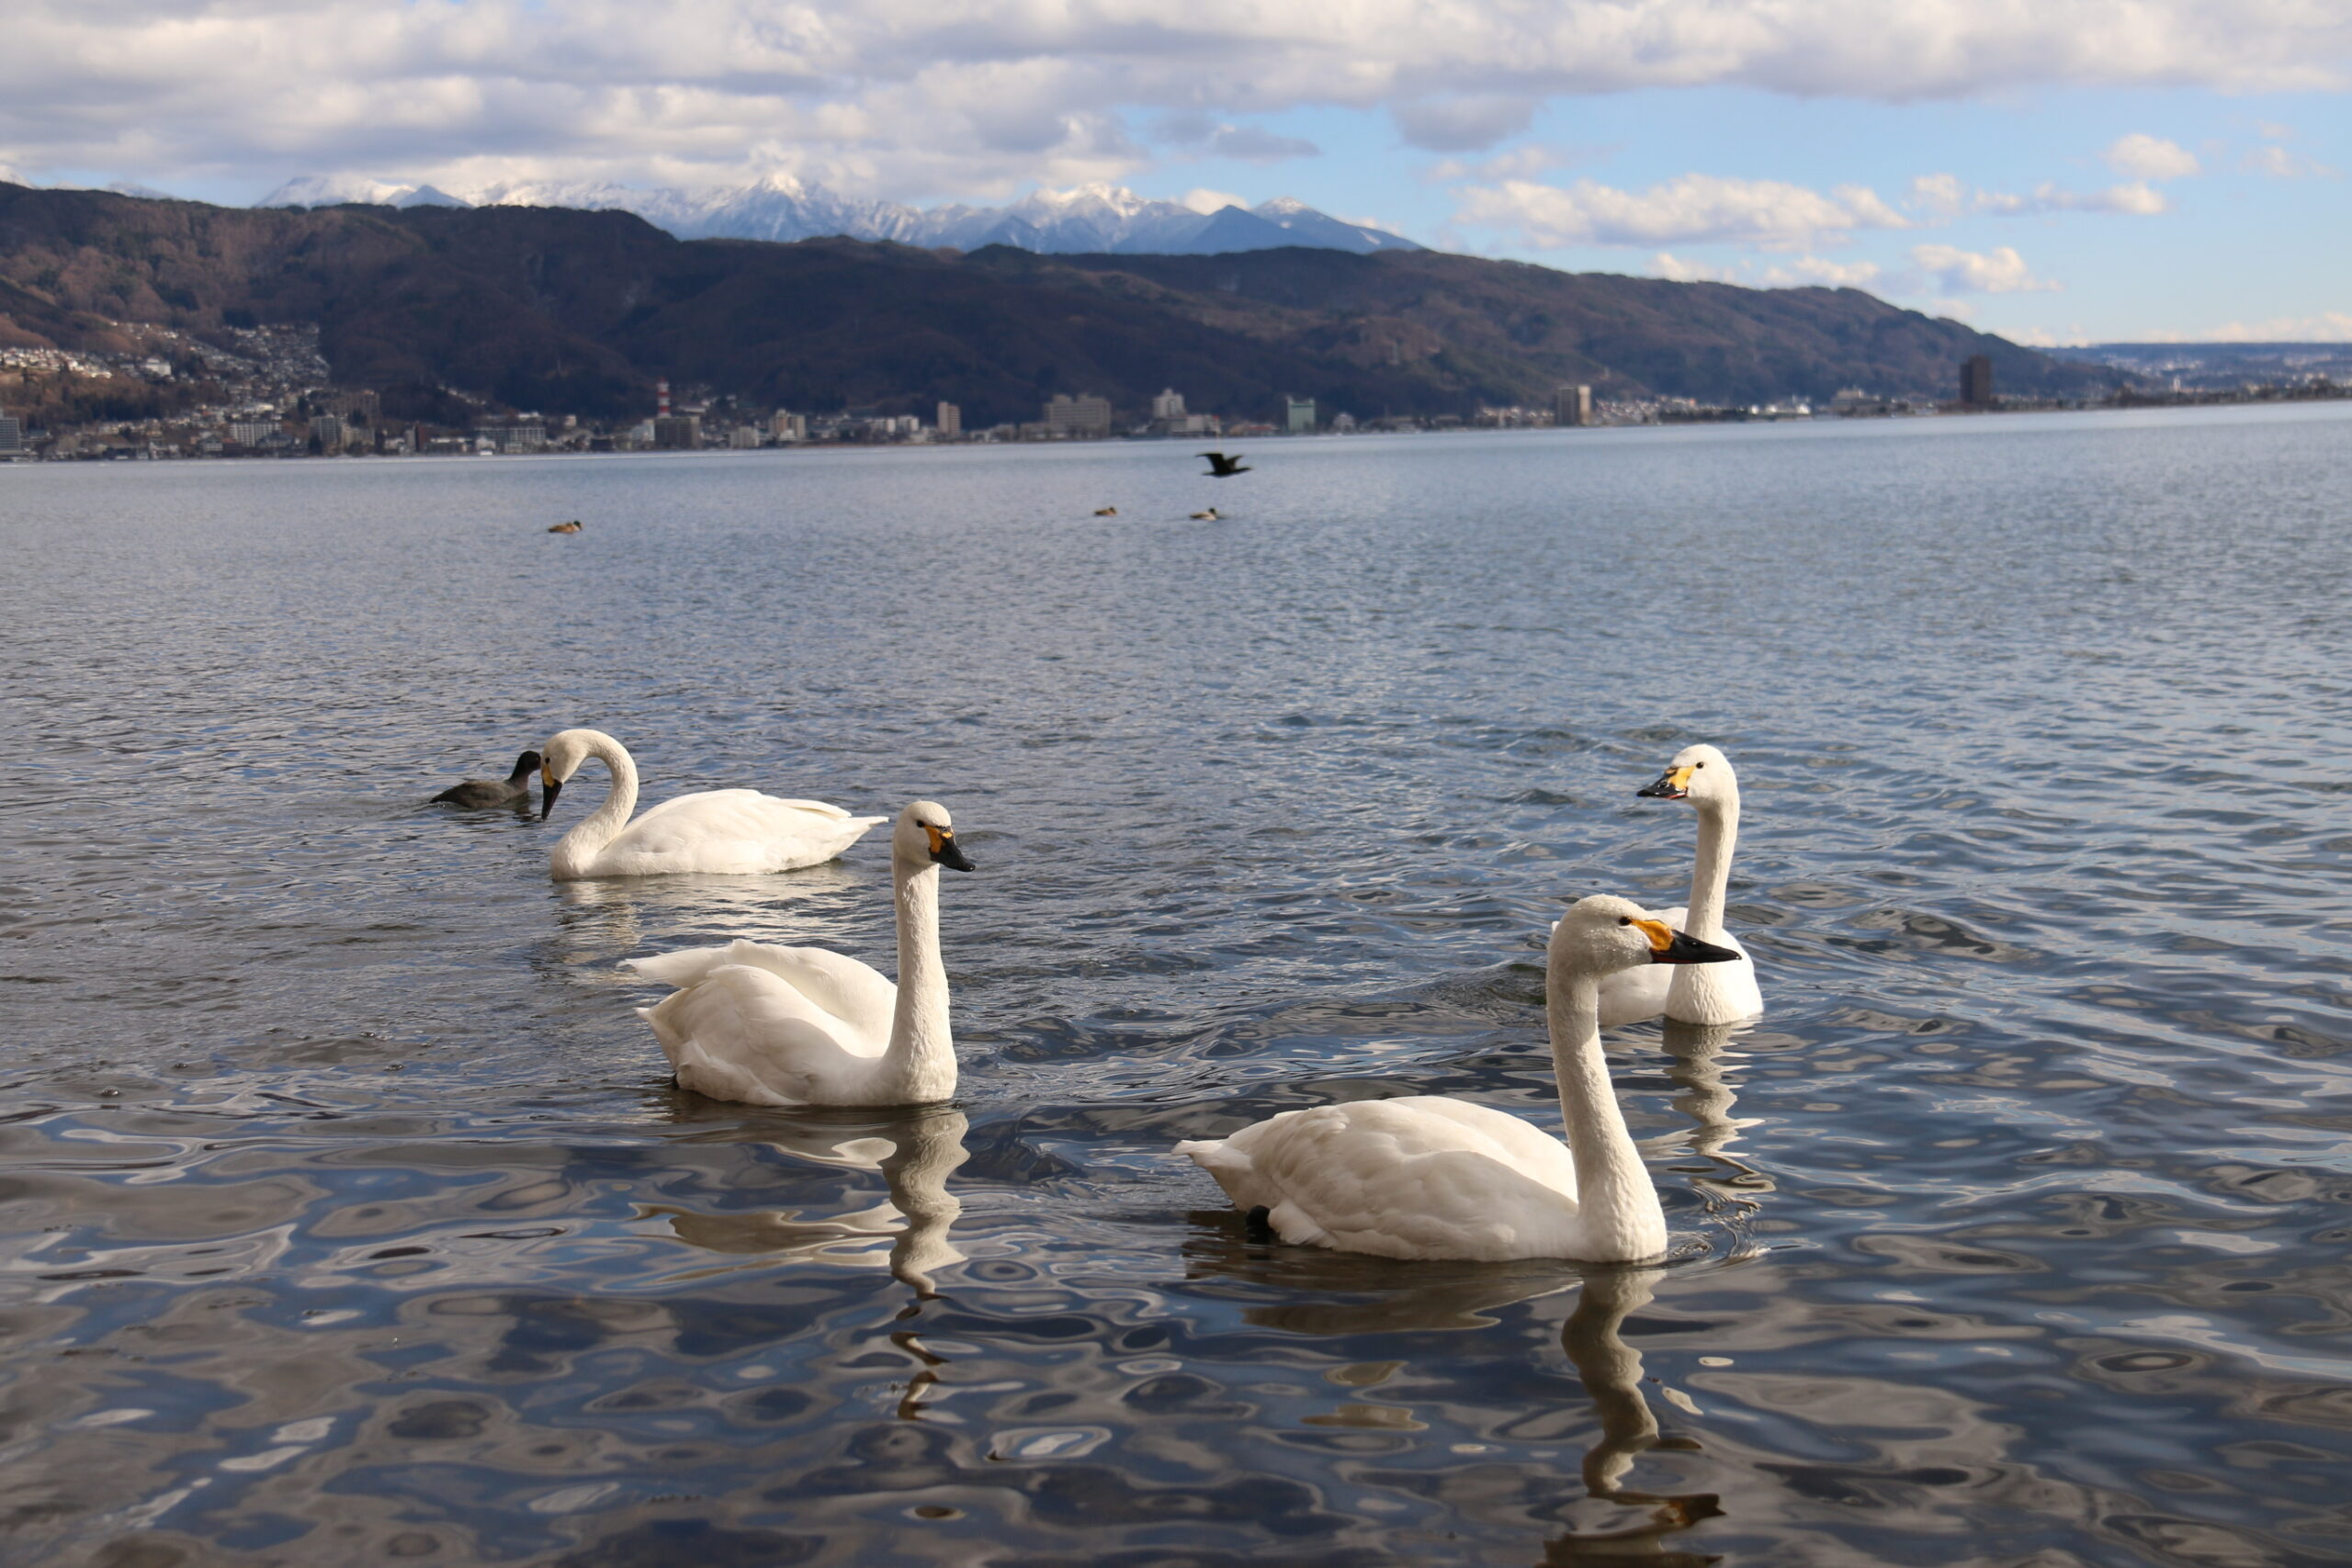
x: 802, y: 1026
x: 738, y: 831
x: 1719, y: 993
x: 1429, y: 1177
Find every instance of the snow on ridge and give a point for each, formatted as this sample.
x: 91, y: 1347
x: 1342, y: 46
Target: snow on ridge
x: 1085, y: 219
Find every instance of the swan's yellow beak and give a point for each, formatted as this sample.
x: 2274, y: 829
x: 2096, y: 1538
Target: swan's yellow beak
x: 1672, y: 785
x: 550, y: 787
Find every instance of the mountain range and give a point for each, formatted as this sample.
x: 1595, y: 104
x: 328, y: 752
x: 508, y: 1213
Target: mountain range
x: 446, y: 310
x: 1089, y: 220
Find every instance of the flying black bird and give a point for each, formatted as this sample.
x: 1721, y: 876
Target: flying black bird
x: 1224, y: 467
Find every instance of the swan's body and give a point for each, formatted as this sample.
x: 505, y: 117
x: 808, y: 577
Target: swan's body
x: 734, y: 832
x: 513, y: 790
x: 1429, y: 1177
x: 1716, y: 993
x: 802, y: 1026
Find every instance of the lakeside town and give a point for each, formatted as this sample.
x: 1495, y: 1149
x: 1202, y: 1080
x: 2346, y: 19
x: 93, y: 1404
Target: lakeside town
x: 268, y: 391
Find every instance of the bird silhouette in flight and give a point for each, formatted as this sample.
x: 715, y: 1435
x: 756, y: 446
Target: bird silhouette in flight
x: 1224, y: 467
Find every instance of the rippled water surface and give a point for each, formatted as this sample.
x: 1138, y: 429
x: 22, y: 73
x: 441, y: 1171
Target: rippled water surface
x: 352, y: 1216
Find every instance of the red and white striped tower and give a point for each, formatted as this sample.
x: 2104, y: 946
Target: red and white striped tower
x: 662, y: 399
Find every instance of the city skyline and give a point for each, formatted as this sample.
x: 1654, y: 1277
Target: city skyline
x: 2153, y: 169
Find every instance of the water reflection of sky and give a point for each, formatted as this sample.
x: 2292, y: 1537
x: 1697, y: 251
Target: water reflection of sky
x: 352, y: 1218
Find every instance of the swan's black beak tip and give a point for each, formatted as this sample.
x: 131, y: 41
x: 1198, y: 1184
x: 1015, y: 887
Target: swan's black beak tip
x: 1688, y: 949
x: 1666, y: 787
x: 549, y: 789
x: 951, y: 856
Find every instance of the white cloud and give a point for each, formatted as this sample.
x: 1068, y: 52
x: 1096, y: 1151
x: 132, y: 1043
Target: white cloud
x: 1217, y: 138
x: 2046, y: 337
x: 1674, y: 269
x: 1688, y: 211
x: 1207, y: 201
x: 1468, y: 124
x: 1517, y: 164
x: 916, y: 97
x: 1998, y: 271
x: 2329, y: 326
x: 1807, y: 272
x: 1942, y: 195
x: 2143, y: 157
x: 2136, y: 197
x: 2281, y: 164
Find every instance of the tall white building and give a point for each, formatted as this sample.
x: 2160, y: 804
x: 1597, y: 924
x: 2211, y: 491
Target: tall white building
x: 951, y: 422
x: 1169, y: 405
x: 1302, y: 417
x: 12, y: 435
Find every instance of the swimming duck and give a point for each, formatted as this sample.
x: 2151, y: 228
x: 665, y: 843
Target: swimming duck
x: 511, y: 790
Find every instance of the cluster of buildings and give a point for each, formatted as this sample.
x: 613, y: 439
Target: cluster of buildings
x: 266, y: 391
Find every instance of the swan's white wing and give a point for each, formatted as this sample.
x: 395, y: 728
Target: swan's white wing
x: 731, y: 831
x: 743, y: 1033
x: 854, y: 995
x: 1421, y: 1177
x: 821, y: 809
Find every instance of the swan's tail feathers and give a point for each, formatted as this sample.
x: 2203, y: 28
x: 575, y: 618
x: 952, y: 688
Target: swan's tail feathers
x: 1290, y: 1222
x: 1231, y: 1167
x: 1213, y: 1154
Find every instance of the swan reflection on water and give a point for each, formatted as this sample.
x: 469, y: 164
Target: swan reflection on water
x: 1701, y: 1064
x: 1591, y: 1338
x: 914, y: 1151
x: 790, y: 909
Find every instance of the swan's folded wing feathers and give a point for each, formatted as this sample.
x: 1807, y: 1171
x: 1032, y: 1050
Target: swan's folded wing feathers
x: 742, y: 825
x: 1418, y: 1177
x: 685, y: 967
x: 742, y: 1033
x: 850, y: 992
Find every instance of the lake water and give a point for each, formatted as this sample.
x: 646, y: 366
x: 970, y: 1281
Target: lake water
x: 353, y: 1218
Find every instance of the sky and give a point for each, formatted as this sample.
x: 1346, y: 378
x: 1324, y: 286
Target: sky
x: 2057, y: 171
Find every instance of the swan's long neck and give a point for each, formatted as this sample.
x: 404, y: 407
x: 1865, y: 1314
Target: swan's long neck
x: 1614, y: 1196
x: 578, y: 850
x: 922, y: 1051
x: 1711, y: 873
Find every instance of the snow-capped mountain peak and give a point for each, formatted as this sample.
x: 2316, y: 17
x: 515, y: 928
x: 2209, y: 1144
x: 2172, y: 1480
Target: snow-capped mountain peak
x: 778, y: 206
